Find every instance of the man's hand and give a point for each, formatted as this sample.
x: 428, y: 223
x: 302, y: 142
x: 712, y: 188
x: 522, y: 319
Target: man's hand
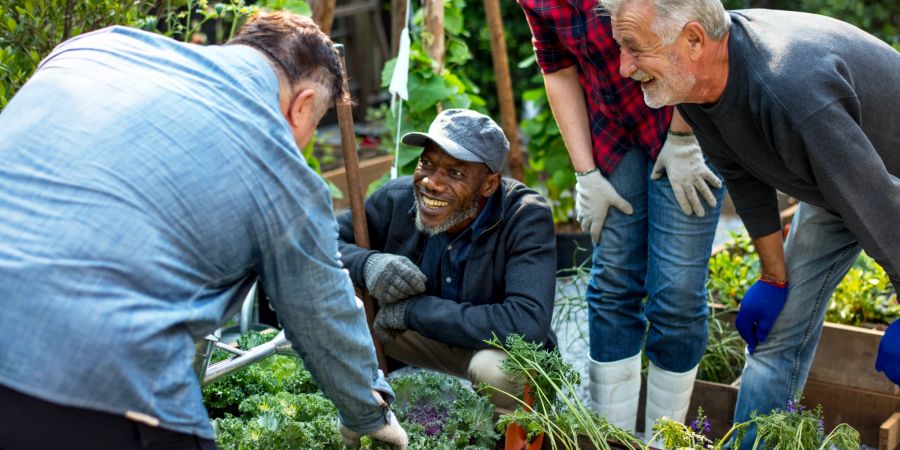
x: 390, y: 321
x: 392, y: 433
x: 760, y: 307
x: 888, y: 360
x: 390, y: 278
x: 688, y: 174
x: 594, y: 196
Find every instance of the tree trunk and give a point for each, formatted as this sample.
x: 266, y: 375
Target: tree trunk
x: 323, y: 14
x: 434, y: 32
x: 398, y: 20
x: 508, y: 118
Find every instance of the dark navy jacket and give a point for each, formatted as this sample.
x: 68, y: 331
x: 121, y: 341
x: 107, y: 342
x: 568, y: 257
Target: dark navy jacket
x: 509, y: 280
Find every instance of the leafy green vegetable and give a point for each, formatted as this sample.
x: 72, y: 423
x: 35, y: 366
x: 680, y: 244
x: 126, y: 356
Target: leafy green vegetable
x: 864, y: 296
x: 438, y: 409
x: 274, y: 404
x: 733, y: 270
x: 269, y: 376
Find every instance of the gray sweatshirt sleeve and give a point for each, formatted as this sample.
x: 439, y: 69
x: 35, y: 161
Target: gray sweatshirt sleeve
x: 756, y: 202
x: 854, y: 181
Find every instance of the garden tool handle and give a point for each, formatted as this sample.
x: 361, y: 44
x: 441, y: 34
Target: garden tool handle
x: 258, y: 353
x: 355, y: 192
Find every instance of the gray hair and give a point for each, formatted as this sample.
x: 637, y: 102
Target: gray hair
x: 673, y: 15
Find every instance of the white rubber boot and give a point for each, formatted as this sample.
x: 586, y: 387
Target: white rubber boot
x: 615, y: 388
x: 668, y: 395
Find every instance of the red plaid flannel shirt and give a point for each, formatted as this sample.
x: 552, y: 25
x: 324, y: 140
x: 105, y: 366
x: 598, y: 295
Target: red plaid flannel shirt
x: 572, y: 32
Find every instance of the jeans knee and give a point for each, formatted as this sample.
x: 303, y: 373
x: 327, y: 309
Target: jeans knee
x: 485, y: 368
x: 677, y: 349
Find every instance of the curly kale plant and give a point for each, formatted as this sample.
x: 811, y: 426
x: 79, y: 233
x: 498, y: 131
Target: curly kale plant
x: 271, y: 375
x: 274, y: 404
x: 437, y: 410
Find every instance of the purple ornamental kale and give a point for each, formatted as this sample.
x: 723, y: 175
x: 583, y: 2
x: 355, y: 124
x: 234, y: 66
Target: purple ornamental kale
x: 431, y: 417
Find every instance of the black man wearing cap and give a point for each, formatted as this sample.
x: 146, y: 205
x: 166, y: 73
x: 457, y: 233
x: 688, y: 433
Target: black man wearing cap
x: 458, y: 254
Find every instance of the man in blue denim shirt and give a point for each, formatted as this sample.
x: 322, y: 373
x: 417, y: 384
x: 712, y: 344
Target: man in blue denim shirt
x: 146, y: 185
x: 458, y: 254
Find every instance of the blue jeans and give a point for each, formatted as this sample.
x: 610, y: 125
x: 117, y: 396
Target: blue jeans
x: 819, y: 251
x: 659, y: 253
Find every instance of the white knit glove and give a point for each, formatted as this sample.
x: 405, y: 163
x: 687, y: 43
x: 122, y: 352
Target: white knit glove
x: 688, y: 174
x: 392, y: 433
x: 593, y: 198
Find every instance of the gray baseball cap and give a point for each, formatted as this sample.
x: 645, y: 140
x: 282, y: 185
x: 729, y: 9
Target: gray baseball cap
x: 465, y: 135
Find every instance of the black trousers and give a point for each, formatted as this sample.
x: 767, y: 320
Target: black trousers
x: 29, y: 423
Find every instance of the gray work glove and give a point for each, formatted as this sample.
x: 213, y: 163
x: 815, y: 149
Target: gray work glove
x: 392, y: 433
x: 390, y: 278
x: 593, y: 198
x: 390, y: 321
x: 688, y: 174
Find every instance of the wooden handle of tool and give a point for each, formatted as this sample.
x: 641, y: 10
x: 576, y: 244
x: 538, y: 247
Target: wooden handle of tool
x: 344, y: 109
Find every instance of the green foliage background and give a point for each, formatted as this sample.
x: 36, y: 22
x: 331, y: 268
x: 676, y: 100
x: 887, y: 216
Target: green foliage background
x: 30, y: 29
x: 450, y: 87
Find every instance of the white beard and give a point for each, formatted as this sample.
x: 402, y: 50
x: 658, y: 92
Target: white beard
x: 670, y: 89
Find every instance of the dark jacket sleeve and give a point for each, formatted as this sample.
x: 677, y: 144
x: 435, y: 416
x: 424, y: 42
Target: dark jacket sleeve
x: 528, y: 265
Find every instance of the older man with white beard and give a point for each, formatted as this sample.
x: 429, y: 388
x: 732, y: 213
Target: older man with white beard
x: 459, y: 254
x: 795, y: 102
x: 641, y: 184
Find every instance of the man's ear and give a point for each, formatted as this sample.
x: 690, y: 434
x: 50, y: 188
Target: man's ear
x: 490, y: 185
x: 301, y: 108
x: 695, y: 38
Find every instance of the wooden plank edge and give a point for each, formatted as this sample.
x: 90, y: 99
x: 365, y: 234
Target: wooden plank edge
x: 889, y: 433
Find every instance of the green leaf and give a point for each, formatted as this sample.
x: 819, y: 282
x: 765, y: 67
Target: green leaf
x: 424, y: 93
x: 527, y: 62
x: 453, y: 19
x: 458, y: 52
x: 534, y: 95
x: 294, y: 6
x: 387, y: 72
x: 335, y: 191
x: 408, y: 154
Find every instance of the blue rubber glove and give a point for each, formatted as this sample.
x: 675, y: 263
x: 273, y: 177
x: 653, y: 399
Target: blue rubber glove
x: 760, y: 307
x: 888, y: 360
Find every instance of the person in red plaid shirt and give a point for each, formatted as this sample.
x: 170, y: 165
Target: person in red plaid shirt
x: 652, y: 234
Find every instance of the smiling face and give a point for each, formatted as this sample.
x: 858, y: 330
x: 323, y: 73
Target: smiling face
x: 647, y: 59
x: 449, y: 192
